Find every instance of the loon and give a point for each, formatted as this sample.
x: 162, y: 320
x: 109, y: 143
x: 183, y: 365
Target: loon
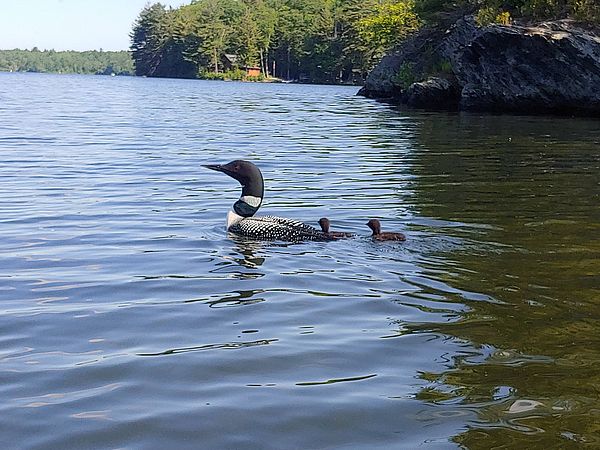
x: 324, y: 223
x: 375, y: 225
x: 241, y: 220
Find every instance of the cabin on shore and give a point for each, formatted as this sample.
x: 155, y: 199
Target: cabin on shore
x: 231, y: 62
x: 252, y: 71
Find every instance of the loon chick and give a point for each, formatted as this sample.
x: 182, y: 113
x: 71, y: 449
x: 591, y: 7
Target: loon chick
x: 375, y: 225
x: 240, y: 219
x: 324, y: 222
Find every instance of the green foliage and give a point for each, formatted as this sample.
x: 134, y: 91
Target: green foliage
x: 542, y: 9
x: 230, y: 75
x: 90, y: 62
x: 149, y: 38
x: 405, y: 76
x: 489, y: 15
x: 502, y: 11
x: 586, y: 10
x: 390, y: 24
x: 260, y: 77
x: 443, y: 67
x: 309, y: 40
x: 431, y: 10
x: 503, y: 18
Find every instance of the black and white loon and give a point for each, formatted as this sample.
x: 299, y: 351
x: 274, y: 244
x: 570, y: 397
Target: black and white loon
x: 241, y: 220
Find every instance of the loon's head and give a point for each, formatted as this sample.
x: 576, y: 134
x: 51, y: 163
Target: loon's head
x: 250, y: 177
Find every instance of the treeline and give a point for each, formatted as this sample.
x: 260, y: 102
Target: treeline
x: 89, y: 62
x: 310, y: 40
x: 504, y: 11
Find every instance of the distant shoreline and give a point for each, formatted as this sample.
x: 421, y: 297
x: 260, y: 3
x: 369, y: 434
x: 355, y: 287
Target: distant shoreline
x: 92, y: 62
x: 187, y: 79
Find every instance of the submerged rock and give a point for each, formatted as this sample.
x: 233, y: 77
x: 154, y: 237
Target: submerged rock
x: 553, y: 67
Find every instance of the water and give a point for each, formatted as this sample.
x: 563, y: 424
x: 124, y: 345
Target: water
x: 130, y: 319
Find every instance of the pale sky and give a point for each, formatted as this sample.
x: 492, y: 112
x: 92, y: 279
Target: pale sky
x: 70, y: 24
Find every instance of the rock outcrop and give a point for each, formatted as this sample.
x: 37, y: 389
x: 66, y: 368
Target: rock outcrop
x: 553, y: 67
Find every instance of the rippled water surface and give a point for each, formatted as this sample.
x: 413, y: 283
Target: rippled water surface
x: 130, y: 319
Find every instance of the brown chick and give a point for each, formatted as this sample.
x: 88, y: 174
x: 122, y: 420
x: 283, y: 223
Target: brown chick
x: 324, y: 222
x: 375, y: 225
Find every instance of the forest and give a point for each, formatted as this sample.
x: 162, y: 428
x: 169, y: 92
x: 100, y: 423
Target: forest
x: 329, y: 41
x: 326, y: 41
x: 90, y: 62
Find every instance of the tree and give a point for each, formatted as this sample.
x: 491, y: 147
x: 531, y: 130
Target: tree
x: 212, y: 30
x: 148, y: 39
x: 265, y: 18
x: 390, y: 24
x: 288, y: 38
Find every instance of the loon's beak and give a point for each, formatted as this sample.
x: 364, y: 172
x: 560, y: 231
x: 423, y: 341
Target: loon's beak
x: 217, y: 167
x: 230, y: 169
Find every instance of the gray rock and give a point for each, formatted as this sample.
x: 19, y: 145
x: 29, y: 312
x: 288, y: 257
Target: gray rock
x: 553, y: 67
x: 410, y: 62
x: 434, y: 93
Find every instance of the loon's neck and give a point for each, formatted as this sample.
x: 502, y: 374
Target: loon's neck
x: 251, y: 199
x: 246, y: 206
x: 254, y: 186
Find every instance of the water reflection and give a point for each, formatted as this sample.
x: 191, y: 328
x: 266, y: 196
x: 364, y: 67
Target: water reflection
x: 534, y: 188
x: 220, y: 346
x: 242, y: 261
x: 248, y: 250
x: 482, y: 326
x: 241, y: 298
x: 336, y: 380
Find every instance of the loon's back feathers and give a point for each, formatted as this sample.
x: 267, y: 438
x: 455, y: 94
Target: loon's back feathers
x: 241, y: 219
x: 280, y: 228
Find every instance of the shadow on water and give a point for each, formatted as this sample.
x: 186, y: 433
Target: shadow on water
x: 533, y: 379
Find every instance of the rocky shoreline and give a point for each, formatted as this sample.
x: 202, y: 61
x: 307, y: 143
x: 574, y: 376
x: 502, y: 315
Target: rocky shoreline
x: 546, y: 68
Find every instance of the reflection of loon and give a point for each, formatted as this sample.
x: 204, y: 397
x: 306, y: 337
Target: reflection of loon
x: 241, y: 221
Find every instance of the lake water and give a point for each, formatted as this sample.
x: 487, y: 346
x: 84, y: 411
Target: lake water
x: 130, y: 319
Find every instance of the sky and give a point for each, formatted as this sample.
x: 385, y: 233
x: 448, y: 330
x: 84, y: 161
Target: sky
x: 70, y: 24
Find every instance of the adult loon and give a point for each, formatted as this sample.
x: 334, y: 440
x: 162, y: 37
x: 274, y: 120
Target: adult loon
x: 241, y: 220
x: 375, y: 225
